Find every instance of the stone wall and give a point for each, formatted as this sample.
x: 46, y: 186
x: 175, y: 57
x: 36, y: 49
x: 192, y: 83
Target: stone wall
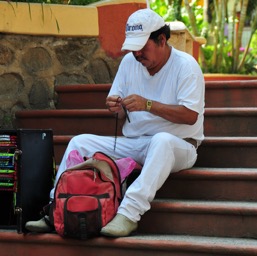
x: 31, y: 67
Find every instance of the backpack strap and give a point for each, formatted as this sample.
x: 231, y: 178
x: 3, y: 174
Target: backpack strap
x: 115, y: 170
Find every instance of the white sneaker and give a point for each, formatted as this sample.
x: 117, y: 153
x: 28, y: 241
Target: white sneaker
x: 40, y: 226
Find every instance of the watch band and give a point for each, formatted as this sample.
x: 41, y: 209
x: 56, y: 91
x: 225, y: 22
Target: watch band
x: 148, y: 105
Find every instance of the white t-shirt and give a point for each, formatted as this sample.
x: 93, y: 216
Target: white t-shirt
x: 179, y: 82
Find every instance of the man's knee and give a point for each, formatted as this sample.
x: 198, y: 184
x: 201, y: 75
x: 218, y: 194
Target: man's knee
x: 163, y: 138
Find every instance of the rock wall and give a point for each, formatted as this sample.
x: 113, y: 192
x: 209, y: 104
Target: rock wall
x: 31, y: 67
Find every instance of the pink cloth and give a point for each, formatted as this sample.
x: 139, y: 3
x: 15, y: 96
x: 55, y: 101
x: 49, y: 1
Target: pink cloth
x: 125, y: 165
x: 74, y: 158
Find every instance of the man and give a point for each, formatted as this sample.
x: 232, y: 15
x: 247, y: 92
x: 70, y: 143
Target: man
x: 161, y: 92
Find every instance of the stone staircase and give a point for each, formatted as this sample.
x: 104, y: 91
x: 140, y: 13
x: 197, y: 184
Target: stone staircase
x: 210, y: 209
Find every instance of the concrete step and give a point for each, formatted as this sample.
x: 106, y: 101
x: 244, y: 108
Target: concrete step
x: 229, y: 152
x: 69, y: 121
x: 139, y: 245
x: 227, y: 184
x: 198, y: 217
x: 234, y: 93
x: 218, y: 184
x: 237, y: 93
x: 82, y: 96
x: 230, y: 121
x: 218, y: 121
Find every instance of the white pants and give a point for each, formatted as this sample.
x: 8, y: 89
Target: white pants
x: 160, y: 155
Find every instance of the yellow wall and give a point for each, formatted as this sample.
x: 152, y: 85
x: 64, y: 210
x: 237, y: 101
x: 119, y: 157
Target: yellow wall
x: 51, y: 19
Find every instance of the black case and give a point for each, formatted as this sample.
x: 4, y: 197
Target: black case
x: 34, y: 174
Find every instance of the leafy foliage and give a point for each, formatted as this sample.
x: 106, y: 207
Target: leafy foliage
x: 223, y: 52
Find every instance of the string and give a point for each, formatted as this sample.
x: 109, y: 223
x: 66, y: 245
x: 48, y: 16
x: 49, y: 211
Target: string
x: 116, y: 131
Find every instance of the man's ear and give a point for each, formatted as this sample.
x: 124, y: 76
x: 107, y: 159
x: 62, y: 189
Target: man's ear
x: 161, y: 40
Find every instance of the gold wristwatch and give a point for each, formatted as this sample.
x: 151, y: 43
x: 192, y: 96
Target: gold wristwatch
x: 148, y: 105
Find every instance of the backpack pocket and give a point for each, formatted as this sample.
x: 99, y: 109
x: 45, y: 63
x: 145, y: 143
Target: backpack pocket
x: 82, y: 216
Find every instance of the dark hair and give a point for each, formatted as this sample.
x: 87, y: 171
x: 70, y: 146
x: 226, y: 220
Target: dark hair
x: 163, y: 30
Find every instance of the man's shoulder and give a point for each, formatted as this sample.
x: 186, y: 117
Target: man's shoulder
x: 128, y: 57
x: 129, y: 60
x: 181, y: 54
x: 184, y: 59
x: 186, y: 62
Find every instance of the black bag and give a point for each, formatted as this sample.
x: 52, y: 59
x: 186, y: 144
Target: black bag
x: 27, y: 171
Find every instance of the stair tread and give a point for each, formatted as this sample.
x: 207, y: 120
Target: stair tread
x: 201, y: 241
x: 234, y: 246
x: 208, y: 83
x: 207, y: 139
x: 217, y: 173
x: 213, y: 173
x: 63, y: 112
x: 208, y: 110
x: 231, y: 84
x: 227, y: 139
x: 245, y: 111
x: 206, y: 206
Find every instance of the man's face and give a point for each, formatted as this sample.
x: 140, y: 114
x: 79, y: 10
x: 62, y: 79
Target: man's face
x: 149, y: 56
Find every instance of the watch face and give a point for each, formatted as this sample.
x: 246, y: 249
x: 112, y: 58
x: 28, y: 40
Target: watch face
x: 148, y: 105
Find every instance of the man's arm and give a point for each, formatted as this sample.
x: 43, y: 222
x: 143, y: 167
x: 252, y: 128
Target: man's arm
x: 174, y: 113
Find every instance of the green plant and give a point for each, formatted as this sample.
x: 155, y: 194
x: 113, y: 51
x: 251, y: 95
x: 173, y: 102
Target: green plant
x: 223, y: 52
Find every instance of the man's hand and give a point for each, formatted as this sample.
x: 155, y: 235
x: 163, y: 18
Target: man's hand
x: 113, y: 103
x: 134, y: 102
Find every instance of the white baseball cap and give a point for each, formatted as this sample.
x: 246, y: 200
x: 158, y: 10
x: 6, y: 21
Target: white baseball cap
x: 139, y: 26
